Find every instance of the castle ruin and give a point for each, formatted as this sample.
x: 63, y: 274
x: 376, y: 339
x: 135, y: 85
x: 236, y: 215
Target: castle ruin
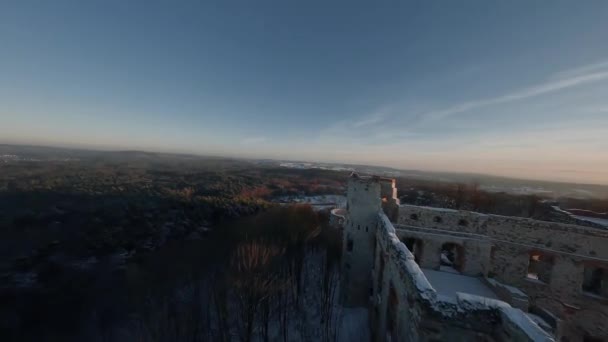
x: 431, y: 274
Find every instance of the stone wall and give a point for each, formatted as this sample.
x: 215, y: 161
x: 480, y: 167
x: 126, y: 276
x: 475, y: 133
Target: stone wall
x: 568, y: 249
x: 477, y: 248
x: 422, y: 315
x: 380, y: 273
x: 363, y: 205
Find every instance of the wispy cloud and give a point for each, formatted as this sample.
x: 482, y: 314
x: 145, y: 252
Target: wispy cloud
x: 537, y: 145
x: 594, y: 73
x: 375, y: 118
x: 399, y: 122
x: 585, y: 69
x: 537, y: 138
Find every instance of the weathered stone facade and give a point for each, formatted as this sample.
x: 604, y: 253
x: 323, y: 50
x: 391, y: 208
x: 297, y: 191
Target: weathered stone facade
x: 531, y: 266
x: 359, y: 239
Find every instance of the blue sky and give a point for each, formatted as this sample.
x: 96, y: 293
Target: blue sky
x: 516, y: 88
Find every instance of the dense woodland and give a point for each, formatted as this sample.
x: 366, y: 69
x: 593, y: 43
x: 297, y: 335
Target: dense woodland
x: 93, y: 247
x: 150, y: 247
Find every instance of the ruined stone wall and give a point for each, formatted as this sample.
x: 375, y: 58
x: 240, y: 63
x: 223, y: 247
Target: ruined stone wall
x: 423, y: 315
x: 566, y: 238
x: 568, y: 247
x: 477, y: 248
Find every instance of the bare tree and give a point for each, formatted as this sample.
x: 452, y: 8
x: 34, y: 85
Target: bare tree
x: 460, y: 196
x: 220, y: 301
x: 330, y: 240
x: 254, y: 278
x: 476, y: 196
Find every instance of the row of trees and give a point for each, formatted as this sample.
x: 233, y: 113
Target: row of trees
x: 471, y: 197
x: 274, y: 277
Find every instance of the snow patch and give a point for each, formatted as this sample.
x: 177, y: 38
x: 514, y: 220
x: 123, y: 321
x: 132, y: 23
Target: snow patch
x: 449, y: 284
x: 540, y: 322
x: 525, y: 323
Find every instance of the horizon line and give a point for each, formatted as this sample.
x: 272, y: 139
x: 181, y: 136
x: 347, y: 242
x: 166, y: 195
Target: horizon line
x: 197, y: 154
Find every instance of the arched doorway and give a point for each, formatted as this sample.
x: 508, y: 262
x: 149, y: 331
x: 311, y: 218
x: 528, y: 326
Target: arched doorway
x: 452, y: 257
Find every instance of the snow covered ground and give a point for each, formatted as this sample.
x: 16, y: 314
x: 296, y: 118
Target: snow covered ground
x: 448, y: 283
x: 603, y: 222
x: 318, y: 202
x: 521, y: 190
x: 540, y: 322
x: 294, y: 165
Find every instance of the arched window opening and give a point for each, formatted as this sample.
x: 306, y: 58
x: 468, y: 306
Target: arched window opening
x: 539, y: 267
x: 491, y: 272
x: 415, y: 246
x: 595, y: 281
x: 452, y: 257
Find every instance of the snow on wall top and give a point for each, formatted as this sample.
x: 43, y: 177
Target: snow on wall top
x: 511, y: 319
x: 405, y: 259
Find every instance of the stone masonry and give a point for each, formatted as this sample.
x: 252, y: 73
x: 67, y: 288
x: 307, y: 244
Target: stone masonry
x: 548, y: 279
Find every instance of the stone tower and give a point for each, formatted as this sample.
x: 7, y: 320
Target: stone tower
x: 359, y: 239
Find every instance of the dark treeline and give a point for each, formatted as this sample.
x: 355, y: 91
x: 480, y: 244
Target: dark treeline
x: 272, y: 276
x: 258, y: 281
x: 469, y: 196
x: 597, y: 206
x: 97, y: 206
x: 79, y: 239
